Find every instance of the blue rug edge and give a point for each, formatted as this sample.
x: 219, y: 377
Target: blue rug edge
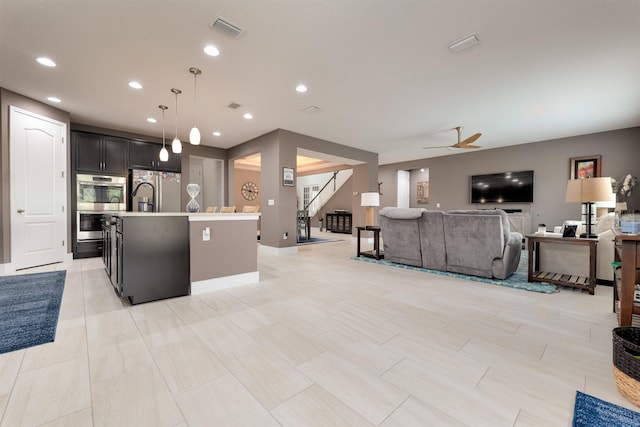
x: 47, y: 334
x: 544, y: 288
x: 601, y: 413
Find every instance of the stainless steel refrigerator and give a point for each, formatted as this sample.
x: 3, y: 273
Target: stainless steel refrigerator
x: 154, y: 191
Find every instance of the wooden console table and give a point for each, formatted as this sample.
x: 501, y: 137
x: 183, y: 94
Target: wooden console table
x: 375, y: 253
x: 558, y: 278
x: 338, y: 222
x: 630, y: 258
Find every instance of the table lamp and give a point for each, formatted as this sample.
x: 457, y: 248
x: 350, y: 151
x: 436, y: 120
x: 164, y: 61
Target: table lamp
x: 369, y: 200
x: 588, y: 191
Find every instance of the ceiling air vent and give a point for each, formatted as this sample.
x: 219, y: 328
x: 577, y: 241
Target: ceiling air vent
x: 311, y: 109
x: 227, y: 28
x: 234, y: 106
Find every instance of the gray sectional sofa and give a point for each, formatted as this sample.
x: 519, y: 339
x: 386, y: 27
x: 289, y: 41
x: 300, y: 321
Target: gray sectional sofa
x: 475, y: 242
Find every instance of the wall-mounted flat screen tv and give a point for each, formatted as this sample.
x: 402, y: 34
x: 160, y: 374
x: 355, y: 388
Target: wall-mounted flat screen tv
x: 505, y: 187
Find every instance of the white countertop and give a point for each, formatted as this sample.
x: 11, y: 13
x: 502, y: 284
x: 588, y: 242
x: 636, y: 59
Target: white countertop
x: 200, y: 216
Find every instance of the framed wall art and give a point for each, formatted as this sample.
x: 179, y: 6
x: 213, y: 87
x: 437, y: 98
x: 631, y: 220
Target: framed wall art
x: 423, y: 192
x: 288, y: 177
x: 586, y: 167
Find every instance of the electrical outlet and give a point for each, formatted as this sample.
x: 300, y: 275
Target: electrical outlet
x: 271, y: 202
x: 206, y: 234
x: 285, y: 236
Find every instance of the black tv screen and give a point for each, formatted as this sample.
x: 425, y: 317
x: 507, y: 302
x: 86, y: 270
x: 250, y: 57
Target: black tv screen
x: 505, y: 187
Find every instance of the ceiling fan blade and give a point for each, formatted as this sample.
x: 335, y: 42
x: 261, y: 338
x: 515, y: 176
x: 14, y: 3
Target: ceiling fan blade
x: 469, y: 146
x: 441, y: 146
x: 471, y: 139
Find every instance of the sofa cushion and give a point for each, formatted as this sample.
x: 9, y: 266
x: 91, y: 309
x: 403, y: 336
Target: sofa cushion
x: 401, y: 235
x: 402, y: 213
x: 473, y: 242
x: 504, y: 218
x: 432, y: 242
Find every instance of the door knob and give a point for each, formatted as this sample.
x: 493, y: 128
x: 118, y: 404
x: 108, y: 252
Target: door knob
x: 20, y: 210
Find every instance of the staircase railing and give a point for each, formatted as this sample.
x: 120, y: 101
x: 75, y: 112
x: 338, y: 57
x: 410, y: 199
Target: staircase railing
x: 333, y: 178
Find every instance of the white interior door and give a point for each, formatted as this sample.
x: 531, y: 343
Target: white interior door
x: 38, y: 189
x: 404, y: 181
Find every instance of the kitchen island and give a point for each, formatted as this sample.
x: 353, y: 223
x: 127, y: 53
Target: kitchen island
x: 150, y: 256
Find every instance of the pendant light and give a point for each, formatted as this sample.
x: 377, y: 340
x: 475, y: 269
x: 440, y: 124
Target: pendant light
x: 194, y: 135
x: 176, y: 145
x: 164, y: 153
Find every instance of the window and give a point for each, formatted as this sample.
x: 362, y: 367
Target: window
x: 308, y: 193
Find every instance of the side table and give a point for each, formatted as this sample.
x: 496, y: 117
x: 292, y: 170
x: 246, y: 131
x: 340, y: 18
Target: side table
x: 375, y: 253
x: 559, y: 278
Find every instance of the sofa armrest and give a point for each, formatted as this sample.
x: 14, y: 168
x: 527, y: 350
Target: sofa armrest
x: 505, y: 267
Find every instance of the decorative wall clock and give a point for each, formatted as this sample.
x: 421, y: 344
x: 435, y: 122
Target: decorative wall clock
x: 249, y: 190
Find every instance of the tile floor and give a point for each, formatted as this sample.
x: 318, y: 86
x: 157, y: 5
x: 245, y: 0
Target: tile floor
x: 321, y: 340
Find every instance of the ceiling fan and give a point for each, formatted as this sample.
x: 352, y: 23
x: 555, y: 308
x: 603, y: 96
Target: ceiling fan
x: 464, y: 144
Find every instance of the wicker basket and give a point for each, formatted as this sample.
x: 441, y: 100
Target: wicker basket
x: 626, y: 366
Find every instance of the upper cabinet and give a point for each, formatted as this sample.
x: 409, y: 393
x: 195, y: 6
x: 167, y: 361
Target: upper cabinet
x: 145, y: 155
x: 99, y: 153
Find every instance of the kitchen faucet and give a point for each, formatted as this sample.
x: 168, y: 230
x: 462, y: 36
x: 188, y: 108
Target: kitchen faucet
x: 153, y: 193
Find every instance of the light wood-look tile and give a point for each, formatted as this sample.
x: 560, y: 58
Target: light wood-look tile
x: 70, y: 343
x: 316, y: 407
x: 187, y: 364
x: 372, y: 397
x: 137, y: 398
x: 9, y: 367
x: 414, y: 412
x: 223, y: 402
x: 321, y: 340
x: 285, y: 341
x: 268, y: 377
x: 83, y: 418
x: 48, y: 393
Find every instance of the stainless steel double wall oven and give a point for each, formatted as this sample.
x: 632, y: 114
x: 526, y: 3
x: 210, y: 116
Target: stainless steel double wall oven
x: 96, y: 195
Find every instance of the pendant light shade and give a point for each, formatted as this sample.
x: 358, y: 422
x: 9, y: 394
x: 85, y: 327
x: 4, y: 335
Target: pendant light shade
x: 176, y: 145
x: 194, y: 135
x: 164, y: 153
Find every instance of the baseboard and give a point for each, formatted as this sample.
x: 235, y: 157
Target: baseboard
x: 289, y: 250
x: 226, y: 282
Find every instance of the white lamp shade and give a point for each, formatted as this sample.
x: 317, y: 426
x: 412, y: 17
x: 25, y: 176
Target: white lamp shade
x: 164, y: 154
x: 194, y: 136
x: 589, y: 190
x: 176, y: 145
x: 370, y: 199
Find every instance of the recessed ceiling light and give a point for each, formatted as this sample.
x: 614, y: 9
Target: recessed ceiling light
x: 211, y: 50
x: 248, y: 116
x: 54, y: 99
x: 135, y: 85
x: 152, y: 120
x: 216, y: 133
x: 46, y: 61
x: 301, y: 88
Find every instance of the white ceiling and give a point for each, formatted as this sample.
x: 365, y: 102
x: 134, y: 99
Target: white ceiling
x: 379, y: 70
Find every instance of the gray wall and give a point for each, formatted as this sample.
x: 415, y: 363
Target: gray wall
x: 279, y: 149
x: 449, y: 176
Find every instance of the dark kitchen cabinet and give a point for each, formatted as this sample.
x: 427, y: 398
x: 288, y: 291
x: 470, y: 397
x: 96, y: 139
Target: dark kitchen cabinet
x: 100, y: 154
x: 146, y: 155
x: 151, y: 257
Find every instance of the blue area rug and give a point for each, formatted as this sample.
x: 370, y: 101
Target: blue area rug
x: 29, y: 309
x: 593, y: 412
x: 518, y: 280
